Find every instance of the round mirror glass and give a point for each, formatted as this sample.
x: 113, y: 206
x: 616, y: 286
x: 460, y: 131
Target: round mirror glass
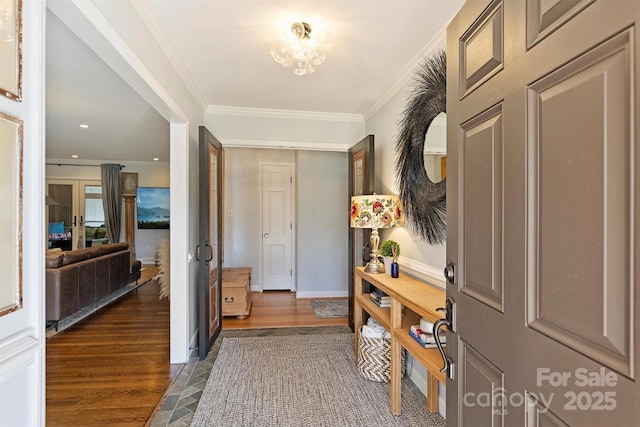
x: 435, y: 149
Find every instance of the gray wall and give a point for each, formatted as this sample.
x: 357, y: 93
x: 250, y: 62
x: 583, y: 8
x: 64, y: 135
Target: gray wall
x: 323, y: 225
x: 242, y: 237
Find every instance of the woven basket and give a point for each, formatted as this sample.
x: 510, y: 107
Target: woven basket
x: 374, y: 359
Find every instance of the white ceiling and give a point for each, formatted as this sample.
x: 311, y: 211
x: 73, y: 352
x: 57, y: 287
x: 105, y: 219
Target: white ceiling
x: 222, y: 47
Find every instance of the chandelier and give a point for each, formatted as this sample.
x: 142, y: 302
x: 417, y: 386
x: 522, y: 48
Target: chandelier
x: 298, y: 50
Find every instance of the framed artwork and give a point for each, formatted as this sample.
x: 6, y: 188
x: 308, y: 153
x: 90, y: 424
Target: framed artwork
x: 129, y: 183
x: 11, y: 49
x: 11, y: 137
x: 153, y: 208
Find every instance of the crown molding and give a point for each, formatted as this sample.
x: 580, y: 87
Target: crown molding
x: 437, y: 42
x: 284, y: 145
x: 148, y: 16
x: 283, y: 114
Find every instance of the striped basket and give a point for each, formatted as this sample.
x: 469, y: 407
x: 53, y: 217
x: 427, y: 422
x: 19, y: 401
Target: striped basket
x: 374, y: 359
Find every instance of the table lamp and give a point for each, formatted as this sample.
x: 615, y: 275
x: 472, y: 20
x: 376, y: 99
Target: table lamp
x: 375, y: 211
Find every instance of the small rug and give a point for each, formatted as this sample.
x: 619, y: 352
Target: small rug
x: 84, y: 312
x: 309, y: 380
x: 324, y: 309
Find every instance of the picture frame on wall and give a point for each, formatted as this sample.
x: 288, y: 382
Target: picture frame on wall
x: 11, y: 49
x: 11, y: 176
x: 153, y: 208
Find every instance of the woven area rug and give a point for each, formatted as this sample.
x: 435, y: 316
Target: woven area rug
x: 301, y: 381
x: 324, y: 309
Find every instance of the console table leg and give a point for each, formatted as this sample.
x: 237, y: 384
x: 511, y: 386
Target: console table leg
x: 432, y: 393
x: 396, y: 359
x: 357, y: 310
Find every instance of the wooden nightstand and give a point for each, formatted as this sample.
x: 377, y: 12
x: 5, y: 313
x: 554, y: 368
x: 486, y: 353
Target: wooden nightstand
x: 236, y: 292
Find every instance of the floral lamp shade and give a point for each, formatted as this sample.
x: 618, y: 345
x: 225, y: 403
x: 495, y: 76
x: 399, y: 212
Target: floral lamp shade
x: 375, y: 211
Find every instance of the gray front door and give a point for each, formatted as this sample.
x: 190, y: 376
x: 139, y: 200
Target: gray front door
x: 542, y: 221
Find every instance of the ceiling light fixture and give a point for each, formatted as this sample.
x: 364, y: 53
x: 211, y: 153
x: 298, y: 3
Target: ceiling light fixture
x: 296, y: 48
x: 156, y: 159
x: 74, y: 156
x: 84, y: 126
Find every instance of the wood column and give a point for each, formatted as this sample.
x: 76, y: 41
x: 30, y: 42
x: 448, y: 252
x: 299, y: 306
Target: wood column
x: 129, y: 221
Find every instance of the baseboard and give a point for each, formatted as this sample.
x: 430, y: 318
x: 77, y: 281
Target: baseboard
x: 148, y: 261
x: 328, y: 294
x: 428, y: 273
x: 418, y: 377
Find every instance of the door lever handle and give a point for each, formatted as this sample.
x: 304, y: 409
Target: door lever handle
x: 448, y: 364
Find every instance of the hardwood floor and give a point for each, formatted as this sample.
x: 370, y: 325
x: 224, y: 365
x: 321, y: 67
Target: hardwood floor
x: 113, y: 367
x: 280, y: 309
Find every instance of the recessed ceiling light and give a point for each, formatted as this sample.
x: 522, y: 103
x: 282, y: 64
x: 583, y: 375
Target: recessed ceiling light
x: 84, y: 126
x: 75, y: 156
x: 156, y: 159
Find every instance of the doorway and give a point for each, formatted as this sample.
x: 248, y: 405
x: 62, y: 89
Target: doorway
x: 277, y: 261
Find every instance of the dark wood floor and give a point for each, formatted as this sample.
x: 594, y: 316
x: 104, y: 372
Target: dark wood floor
x: 113, y: 367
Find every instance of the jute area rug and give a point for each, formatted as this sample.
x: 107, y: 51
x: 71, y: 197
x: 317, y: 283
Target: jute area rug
x: 324, y: 309
x: 300, y: 381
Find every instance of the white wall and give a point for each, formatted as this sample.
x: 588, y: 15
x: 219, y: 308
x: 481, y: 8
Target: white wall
x: 417, y: 257
x: 250, y: 127
x: 150, y: 174
x: 323, y: 227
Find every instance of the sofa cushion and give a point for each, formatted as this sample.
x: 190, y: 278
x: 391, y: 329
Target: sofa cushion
x: 69, y: 257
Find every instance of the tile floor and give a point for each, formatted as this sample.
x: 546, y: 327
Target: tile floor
x: 181, y: 400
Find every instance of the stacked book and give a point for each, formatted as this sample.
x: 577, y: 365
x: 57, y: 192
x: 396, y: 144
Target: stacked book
x: 380, y: 298
x: 425, y: 338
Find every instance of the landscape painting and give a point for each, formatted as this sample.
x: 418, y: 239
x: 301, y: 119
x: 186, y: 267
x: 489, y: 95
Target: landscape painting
x: 153, y: 208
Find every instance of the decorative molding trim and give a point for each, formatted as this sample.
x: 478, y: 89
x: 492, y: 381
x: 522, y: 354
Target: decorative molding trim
x: 428, y: 273
x: 437, y: 42
x: 17, y: 352
x: 284, y: 145
x: 149, y: 17
x: 327, y: 294
x: 94, y: 16
x: 283, y: 114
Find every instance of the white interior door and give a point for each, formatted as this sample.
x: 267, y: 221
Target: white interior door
x: 277, y: 227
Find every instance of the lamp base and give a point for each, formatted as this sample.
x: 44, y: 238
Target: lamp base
x: 374, y: 266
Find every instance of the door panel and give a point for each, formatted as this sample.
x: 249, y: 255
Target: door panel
x: 572, y: 168
x: 542, y: 212
x: 481, y: 157
x: 361, y: 181
x: 209, y: 254
x: 277, y: 227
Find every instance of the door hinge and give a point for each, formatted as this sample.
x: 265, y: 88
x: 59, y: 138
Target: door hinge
x: 290, y: 272
x: 291, y: 180
x: 290, y: 226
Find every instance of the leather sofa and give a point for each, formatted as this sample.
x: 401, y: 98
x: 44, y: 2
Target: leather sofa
x: 75, y: 279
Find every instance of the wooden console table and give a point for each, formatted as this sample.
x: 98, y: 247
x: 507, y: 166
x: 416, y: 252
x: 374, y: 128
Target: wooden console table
x: 411, y: 299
